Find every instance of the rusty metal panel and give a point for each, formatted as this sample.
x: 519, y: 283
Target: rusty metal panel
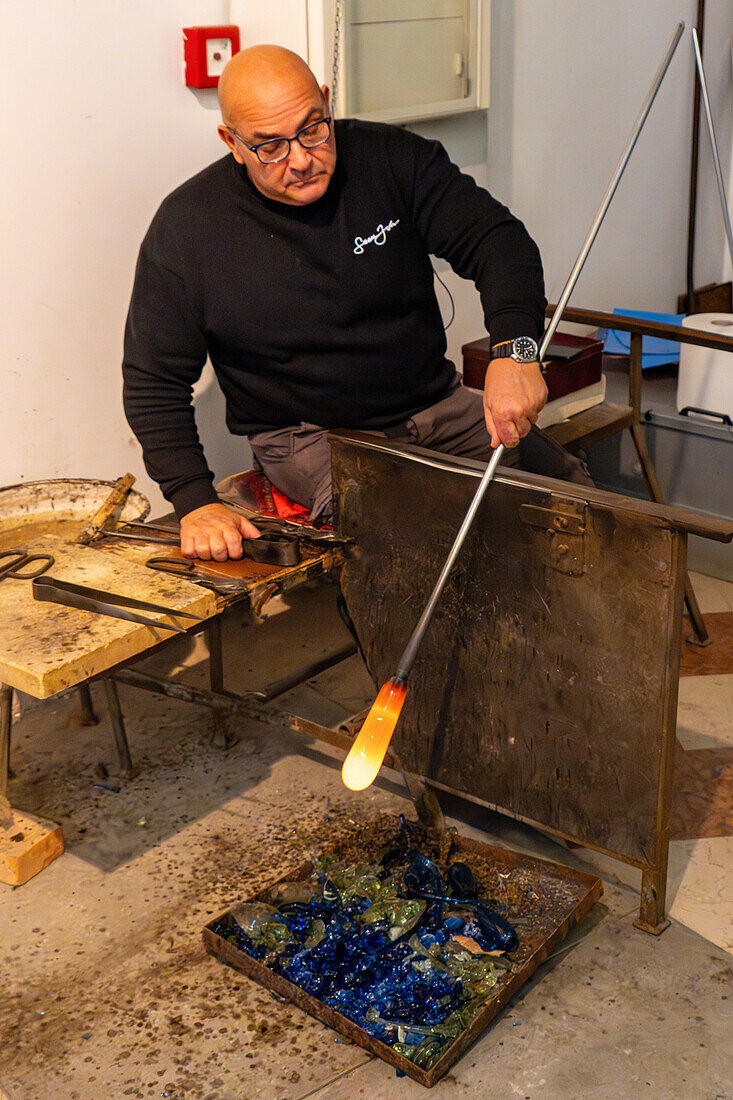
x: 546, y: 683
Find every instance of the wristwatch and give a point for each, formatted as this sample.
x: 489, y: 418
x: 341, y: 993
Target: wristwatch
x: 523, y: 349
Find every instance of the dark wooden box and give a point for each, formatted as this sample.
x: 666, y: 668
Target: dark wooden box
x: 554, y: 900
x: 563, y: 373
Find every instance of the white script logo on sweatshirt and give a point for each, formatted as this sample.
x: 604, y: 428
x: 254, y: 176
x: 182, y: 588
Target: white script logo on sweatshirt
x: 378, y: 237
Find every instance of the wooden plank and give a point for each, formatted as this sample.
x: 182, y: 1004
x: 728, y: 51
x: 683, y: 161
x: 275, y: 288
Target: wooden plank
x: 642, y: 326
x: 654, y: 880
x: 590, y: 426
x: 27, y: 845
x: 46, y: 648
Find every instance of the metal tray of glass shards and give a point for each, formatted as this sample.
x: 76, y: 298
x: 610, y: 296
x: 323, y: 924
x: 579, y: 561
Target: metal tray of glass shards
x: 544, y: 901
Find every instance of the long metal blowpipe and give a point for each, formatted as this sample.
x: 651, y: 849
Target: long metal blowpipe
x: 713, y: 142
x: 367, y: 753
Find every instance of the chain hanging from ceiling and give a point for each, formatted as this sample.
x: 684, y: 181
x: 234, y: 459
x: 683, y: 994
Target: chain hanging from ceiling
x: 338, y: 22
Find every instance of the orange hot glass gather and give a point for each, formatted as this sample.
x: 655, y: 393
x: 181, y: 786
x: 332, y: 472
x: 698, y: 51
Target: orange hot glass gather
x: 368, y: 751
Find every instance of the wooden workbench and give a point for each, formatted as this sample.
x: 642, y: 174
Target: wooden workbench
x: 46, y: 648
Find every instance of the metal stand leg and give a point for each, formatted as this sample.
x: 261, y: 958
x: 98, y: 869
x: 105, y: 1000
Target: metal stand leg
x: 88, y: 717
x: 222, y: 738
x: 118, y: 729
x: 701, y: 637
x: 426, y: 802
x: 651, y: 911
x: 306, y: 672
x: 6, y: 725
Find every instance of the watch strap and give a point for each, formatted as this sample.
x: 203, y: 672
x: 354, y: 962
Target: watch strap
x: 502, y: 350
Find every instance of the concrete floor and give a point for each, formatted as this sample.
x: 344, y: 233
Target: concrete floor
x: 107, y: 991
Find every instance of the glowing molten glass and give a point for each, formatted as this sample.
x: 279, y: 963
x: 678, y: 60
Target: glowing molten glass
x: 368, y: 751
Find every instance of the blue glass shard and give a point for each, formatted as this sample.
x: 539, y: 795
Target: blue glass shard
x: 348, y: 946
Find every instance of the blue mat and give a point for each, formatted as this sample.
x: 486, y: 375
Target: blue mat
x: 655, y: 352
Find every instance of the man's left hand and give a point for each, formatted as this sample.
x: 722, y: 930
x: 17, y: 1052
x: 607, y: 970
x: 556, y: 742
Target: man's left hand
x: 514, y: 394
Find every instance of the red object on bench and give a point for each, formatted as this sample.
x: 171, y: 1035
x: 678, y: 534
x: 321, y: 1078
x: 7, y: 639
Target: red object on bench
x: 269, y: 501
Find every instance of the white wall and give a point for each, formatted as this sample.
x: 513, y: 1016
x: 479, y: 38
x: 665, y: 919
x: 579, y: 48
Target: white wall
x: 97, y: 127
x: 569, y: 79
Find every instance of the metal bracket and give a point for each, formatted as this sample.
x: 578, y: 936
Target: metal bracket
x: 562, y: 530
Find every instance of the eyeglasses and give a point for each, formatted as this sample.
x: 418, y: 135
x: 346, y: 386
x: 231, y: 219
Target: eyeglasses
x: 277, y: 149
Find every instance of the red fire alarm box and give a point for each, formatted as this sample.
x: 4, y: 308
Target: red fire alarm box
x: 206, y: 51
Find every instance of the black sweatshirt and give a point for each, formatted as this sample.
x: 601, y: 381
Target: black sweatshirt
x: 323, y: 313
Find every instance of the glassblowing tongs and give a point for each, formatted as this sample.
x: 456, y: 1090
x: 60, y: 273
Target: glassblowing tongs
x: 51, y: 590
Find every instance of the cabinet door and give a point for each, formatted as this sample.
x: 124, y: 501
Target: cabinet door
x: 408, y: 59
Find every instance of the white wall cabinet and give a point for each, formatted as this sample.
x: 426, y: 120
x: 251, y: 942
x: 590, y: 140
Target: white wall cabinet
x: 405, y: 60
x: 398, y: 60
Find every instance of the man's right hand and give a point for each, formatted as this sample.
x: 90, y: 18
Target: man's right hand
x: 514, y: 394
x: 215, y: 531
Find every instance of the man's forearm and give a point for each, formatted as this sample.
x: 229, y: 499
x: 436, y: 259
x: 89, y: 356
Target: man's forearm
x: 162, y: 418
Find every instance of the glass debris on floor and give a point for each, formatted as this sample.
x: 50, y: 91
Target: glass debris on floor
x: 404, y: 940
x: 405, y: 955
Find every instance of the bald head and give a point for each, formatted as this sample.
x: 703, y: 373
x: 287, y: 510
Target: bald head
x: 256, y: 79
x: 267, y: 93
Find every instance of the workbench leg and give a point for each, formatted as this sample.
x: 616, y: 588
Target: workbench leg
x: 6, y: 725
x: 222, y: 738
x: 88, y: 716
x: 118, y: 729
x: 701, y: 637
x: 653, y: 892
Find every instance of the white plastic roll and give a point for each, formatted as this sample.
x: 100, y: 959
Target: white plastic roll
x: 706, y: 376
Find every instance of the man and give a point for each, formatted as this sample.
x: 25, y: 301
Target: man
x: 300, y: 264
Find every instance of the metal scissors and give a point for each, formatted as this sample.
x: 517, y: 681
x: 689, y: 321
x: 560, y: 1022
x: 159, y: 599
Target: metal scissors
x: 226, y: 586
x: 16, y: 568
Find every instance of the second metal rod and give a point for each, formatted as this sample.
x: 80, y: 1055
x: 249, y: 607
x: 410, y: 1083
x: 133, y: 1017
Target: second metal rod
x: 410, y: 652
x: 713, y: 143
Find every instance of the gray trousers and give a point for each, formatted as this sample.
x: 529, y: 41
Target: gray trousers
x: 297, y: 460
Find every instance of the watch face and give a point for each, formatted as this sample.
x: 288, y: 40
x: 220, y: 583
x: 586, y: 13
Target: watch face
x: 525, y: 349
